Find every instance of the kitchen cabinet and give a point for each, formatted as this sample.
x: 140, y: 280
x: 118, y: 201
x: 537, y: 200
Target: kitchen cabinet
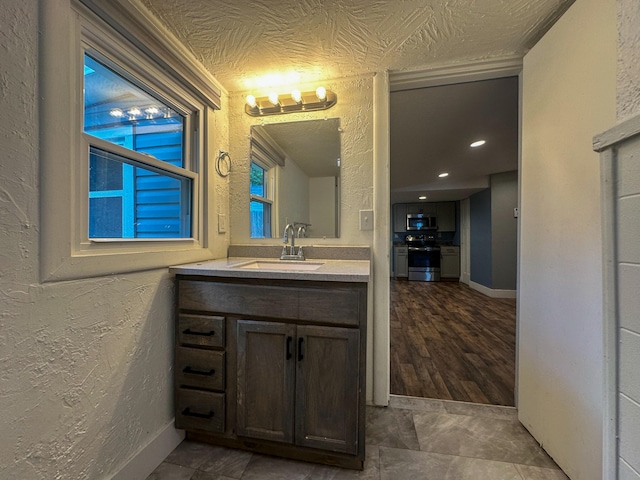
x: 449, y: 262
x: 424, y: 207
x: 400, y: 217
x: 273, y: 366
x: 400, y: 261
x: 446, y: 216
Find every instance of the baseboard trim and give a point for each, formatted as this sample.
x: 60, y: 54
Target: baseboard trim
x: 149, y: 456
x: 465, y: 278
x: 491, y: 292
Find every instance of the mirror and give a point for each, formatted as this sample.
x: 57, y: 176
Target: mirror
x: 295, y: 178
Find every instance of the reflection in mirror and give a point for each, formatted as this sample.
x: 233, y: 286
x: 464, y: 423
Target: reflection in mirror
x: 295, y: 178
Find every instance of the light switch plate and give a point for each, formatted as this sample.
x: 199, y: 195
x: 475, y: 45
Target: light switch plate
x: 222, y: 223
x: 366, y: 219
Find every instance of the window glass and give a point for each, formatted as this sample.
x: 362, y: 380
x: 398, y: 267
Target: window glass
x: 258, y: 180
x: 118, y: 111
x: 129, y: 200
x: 260, y: 206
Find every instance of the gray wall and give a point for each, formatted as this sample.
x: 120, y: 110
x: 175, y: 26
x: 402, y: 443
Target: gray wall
x: 494, y: 236
x: 504, y: 230
x: 480, y: 233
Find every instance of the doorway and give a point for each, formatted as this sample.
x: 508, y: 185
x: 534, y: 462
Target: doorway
x: 454, y: 340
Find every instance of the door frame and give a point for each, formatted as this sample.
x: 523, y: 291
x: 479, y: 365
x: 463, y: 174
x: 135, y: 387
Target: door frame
x: 510, y: 66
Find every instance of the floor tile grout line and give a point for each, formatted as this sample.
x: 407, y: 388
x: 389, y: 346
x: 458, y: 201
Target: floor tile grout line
x: 558, y: 469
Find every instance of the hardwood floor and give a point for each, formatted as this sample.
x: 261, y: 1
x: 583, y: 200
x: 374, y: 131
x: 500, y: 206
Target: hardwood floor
x: 452, y: 343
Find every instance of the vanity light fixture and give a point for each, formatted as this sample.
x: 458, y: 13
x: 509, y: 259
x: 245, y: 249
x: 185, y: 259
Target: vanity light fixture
x: 273, y: 98
x: 478, y: 143
x: 296, y: 101
x: 251, y: 101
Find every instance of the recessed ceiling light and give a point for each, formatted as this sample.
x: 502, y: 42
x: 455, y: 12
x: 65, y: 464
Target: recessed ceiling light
x: 443, y: 174
x: 422, y: 197
x: 478, y: 143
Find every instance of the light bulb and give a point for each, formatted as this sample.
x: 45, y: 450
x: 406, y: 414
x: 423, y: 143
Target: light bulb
x: 443, y: 174
x: 251, y: 101
x: 273, y: 98
x: 116, y: 112
x: 296, y: 95
x: 134, y: 111
x: 321, y: 93
x: 478, y: 143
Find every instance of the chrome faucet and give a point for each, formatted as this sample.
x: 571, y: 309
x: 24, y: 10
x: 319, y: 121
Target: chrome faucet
x: 290, y: 235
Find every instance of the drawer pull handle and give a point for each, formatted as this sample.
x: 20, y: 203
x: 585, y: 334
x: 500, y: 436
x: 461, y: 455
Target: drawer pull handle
x: 188, y: 331
x: 188, y: 413
x: 199, y: 372
x: 300, y: 344
x: 289, y: 340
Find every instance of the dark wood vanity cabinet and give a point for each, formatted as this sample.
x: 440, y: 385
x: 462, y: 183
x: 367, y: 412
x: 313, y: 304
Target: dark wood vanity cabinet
x: 287, y: 376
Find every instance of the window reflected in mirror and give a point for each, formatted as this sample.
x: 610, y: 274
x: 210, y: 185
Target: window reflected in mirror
x: 260, y: 208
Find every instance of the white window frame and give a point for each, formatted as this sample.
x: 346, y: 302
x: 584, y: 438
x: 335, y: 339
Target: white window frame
x: 68, y: 29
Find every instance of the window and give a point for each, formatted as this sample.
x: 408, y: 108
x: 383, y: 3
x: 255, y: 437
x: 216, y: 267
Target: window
x: 123, y: 122
x: 261, y: 201
x: 128, y: 196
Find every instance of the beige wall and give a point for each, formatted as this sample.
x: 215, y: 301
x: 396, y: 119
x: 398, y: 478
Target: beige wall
x: 568, y: 96
x: 86, y: 365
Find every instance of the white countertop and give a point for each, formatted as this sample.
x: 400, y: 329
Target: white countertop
x: 329, y: 270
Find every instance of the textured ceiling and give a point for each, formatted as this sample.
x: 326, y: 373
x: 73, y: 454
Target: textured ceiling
x: 255, y: 45
x: 260, y: 43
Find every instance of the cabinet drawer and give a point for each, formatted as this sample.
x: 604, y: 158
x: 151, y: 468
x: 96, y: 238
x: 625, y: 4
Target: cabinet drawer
x: 198, y: 368
x: 327, y: 304
x: 201, y: 331
x: 200, y: 410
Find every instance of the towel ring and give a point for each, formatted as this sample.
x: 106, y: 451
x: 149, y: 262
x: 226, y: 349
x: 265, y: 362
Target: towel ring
x: 223, y: 164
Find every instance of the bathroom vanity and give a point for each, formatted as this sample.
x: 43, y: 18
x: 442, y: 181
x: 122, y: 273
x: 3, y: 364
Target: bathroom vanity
x: 270, y: 356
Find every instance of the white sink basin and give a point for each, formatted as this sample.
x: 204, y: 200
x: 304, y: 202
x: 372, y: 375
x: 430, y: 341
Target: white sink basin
x: 279, y: 265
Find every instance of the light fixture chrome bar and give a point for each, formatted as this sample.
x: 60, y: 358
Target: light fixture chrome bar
x: 309, y: 101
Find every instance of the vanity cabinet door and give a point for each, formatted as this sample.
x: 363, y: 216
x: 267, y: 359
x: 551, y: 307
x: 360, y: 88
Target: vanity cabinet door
x: 266, y: 379
x: 327, y: 391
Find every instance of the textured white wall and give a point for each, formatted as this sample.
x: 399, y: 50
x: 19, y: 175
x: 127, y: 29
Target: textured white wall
x: 628, y: 58
x: 354, y: 109
x: 85, y: 365
x: 568, y: 96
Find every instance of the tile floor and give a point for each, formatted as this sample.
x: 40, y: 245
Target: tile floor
x: 413, y: 438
